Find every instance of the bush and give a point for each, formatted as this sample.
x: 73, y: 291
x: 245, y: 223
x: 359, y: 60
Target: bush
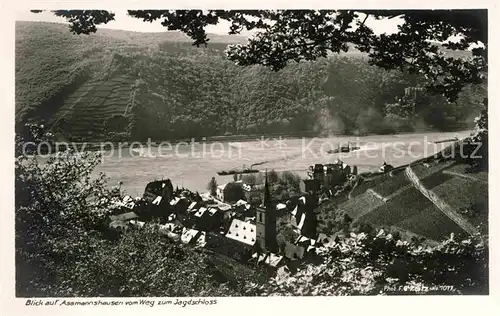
x: 117, y: 124
x: 250, y: 179
x: 142, y: 263
x: 212, y: 186
x: 379, y: 263
x: 480, y: 135
x: 62, y: 245
x: 290, y: 180
x: 233, y: 192
x: 273, y: 176
x: 59, y: 211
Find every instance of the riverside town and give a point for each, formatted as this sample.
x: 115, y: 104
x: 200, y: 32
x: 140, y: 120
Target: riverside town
x: 269, y: 153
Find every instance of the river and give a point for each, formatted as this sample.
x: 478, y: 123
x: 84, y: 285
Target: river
x: 192, y: 165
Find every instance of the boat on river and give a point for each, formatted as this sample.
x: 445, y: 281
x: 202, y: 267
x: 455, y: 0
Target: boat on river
x: 237, y: 171
x: 343, y: 149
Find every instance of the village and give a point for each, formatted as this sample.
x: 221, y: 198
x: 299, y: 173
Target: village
x: 241, y: 220
x: 170, y: 158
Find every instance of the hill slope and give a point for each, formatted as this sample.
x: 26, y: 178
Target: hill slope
x: 132, y: 86
x: 431, y: 200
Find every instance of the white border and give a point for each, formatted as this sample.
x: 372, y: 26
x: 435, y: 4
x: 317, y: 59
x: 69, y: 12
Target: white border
x: 407, y: 305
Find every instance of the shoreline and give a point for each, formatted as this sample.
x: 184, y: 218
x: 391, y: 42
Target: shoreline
x: 97, y: 146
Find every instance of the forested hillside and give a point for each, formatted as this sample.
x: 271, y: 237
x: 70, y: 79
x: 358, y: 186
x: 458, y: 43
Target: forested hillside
x: 119, y: 85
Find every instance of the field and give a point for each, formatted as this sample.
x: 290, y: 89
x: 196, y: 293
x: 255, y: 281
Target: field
x: 467, y: 197
x: 431, y: 223
x: 84, y: 110
x: 411, y: 211
x: 362, y: 204
x: 406, y: 204
x: 392, y: 184
x: 367, y: 184
x: 462, y: 169
x: 434, y: 180
x: 422, y: 171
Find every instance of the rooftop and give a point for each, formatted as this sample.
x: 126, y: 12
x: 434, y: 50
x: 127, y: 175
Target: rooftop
x: 243, y: 232
x: 280, y: 206
x: 222, y: 186
x: 192, y: 205
x: 270, y: 259
x: 200, y: 212
x: 174, y: 201
x: 137, y: 223
x: 157, y: 200
x: 127, y: 202
x: 240, y: 202
x: 224, y: 207
x: 190, y: 235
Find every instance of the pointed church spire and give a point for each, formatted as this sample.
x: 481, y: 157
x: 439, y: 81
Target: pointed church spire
x: 266, y: 222
x: 267, y: 194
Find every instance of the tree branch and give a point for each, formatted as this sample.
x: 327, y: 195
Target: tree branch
x: 366, y: 17
x: 310, y: 44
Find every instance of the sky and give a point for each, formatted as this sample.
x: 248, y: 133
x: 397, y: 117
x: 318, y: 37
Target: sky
x: 124, y: 22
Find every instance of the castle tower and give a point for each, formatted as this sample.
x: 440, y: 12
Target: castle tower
x: 167, y: 193
x: 266, y: 222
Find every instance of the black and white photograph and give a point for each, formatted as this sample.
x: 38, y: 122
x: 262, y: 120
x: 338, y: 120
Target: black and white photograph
x: 211, y: 153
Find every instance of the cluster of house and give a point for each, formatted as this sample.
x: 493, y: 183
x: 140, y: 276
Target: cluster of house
x: 239, y: 190
x: 241, y: 230
x: 328, y: 176
x: 385, y: 167
x: 332, y: 175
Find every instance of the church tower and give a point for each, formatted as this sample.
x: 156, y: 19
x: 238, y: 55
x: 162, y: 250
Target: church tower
x: 266, y: 223
x: 309, y: 229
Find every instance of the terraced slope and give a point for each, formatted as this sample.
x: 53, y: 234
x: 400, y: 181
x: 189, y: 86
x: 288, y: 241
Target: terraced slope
x: 79, y: 85
x: 468, y: 198
x: 441, y: 203
x: 391, y: 185
x: 367, y: 184
x: 49, y: 68
x: 170, y: 89
x: 462, y: 170
x: 362, y: 204
x: 93, y: 106
x: 405, y: 205
x: 424, y: 170
x: 431, y: 223
x: 456, y: 205
x: 461, y: 193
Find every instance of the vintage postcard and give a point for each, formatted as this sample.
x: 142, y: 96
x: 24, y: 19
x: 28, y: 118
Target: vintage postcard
x: 172, y: 159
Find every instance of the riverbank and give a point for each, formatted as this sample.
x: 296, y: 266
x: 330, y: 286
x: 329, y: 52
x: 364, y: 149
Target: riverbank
x: 194, y: 169
x: 104, y: 145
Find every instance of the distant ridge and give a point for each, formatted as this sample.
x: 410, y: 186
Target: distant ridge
x: 425, y: 200
x: 138, y: 37
x: 118, y: 85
